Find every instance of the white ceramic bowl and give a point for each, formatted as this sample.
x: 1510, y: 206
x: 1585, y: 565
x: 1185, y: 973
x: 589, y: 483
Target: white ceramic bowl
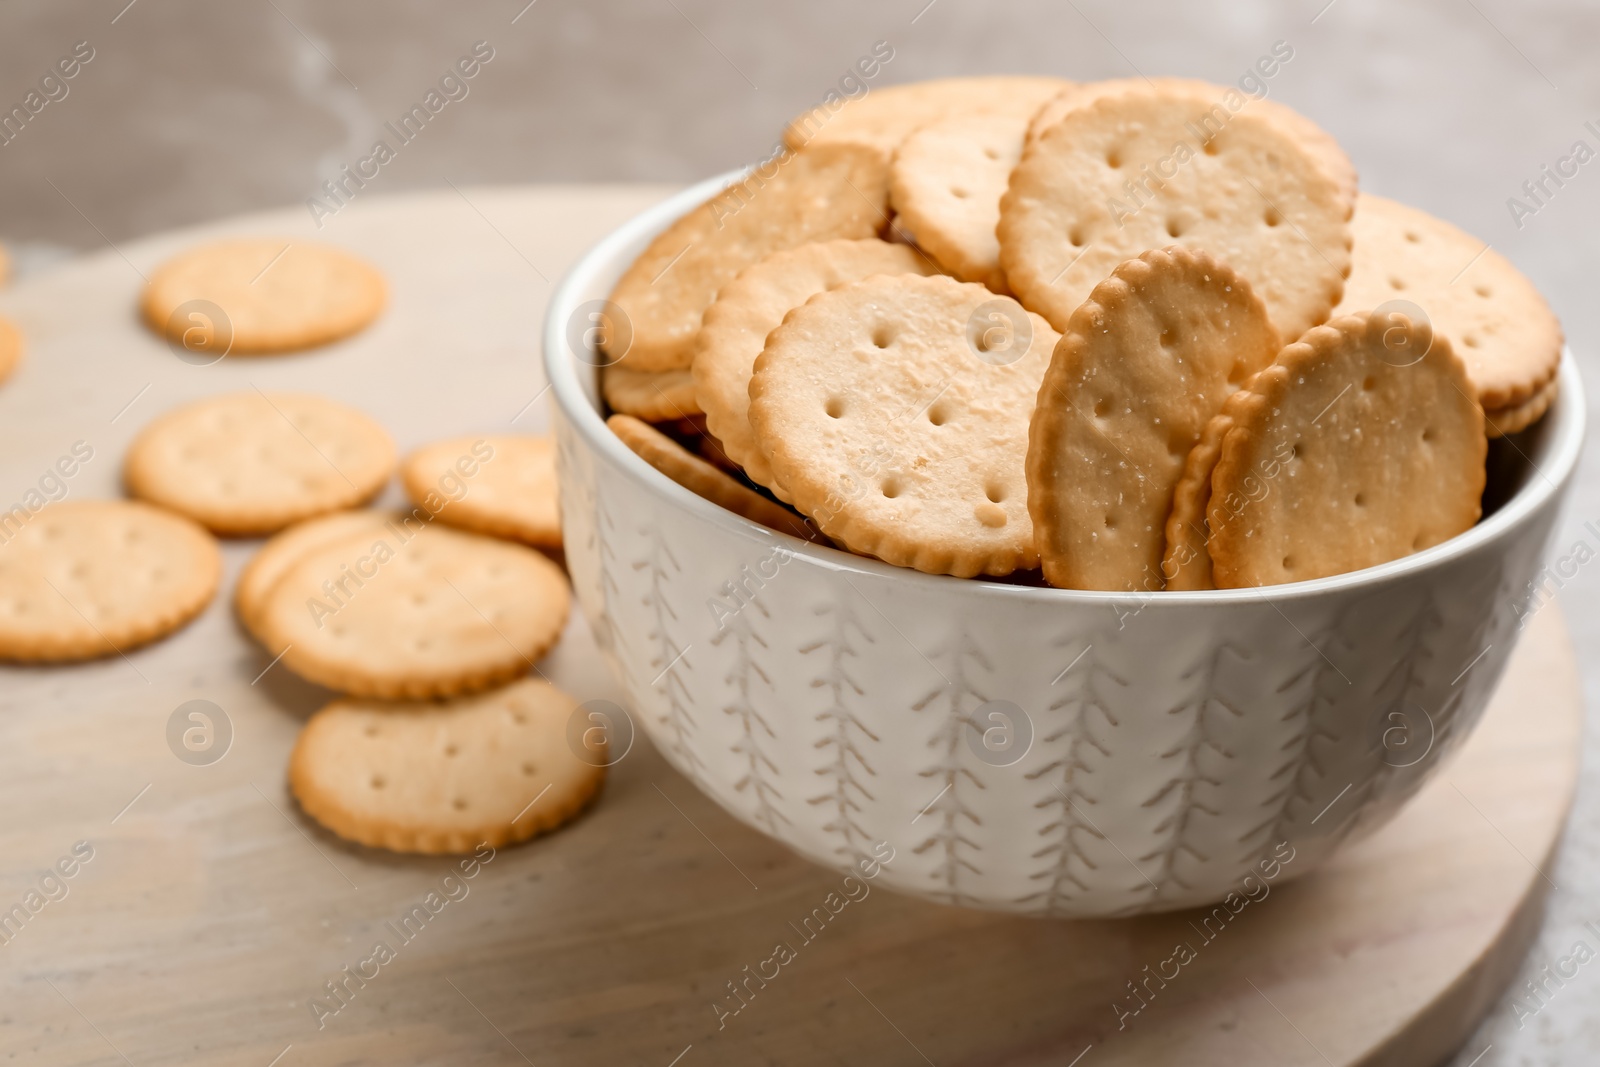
x: 1043, y: 751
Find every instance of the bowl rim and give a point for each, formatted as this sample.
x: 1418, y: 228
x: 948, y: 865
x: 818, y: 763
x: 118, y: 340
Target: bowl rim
x: 1547, y: 481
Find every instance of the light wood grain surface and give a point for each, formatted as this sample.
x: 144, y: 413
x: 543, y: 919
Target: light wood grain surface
x: 211, y: 914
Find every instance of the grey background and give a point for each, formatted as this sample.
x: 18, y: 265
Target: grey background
x: 192, y: 110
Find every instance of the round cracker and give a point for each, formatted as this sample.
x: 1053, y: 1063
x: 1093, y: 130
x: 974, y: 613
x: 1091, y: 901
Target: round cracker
x: 946, y: 185
x: 883, y: 118
x: 277, y: 295
x: 1519, y: 417
x: 832, y: 190
x: 414, y: 612
x: 1144, y: 364
x: 751, y: 306
x: 91, y: 578
x: 1320, y: 144
x: 901, y: 438
x: 703, y: 479
x: 10, y: 348
x: 510, y: 482
x: 1348, y: 452
x: 264, y: 569
x: 1186, y: 562
x: 1249, y: 195
x: 492, y: 769
x: 1496, y: 321
x: 251, y: 463
x: 654, y: 396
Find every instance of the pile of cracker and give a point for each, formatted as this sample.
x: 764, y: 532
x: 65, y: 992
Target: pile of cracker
x: 1131, y: 335
x: 430, y: 619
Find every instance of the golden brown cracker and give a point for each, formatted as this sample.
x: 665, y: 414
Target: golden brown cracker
x: 1496, y: 321
x: 751, y: 306
x: 703, y: 479
x: 88, y: 578
x: 894, y: 412
x: 253, y: 462
x: 490, y: 769
x: 946, y: 184
x: 1361, y: 444
x: 275, y: 295
x: 1144, y: 365
x: 503, y: 485
x: 829, y: 191
x: 416, y: 611
x: 1149, y: 168
x: 654, y: 396
x: 883, y: 118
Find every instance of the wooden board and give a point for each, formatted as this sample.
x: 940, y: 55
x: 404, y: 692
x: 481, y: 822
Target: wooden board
x: 212, y: 914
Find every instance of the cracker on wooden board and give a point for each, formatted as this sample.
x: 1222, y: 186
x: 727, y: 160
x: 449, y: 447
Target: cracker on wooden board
x: 1144, y: 365
x: 82, y: 579
x: 1496, y: 321
x: 1320, y: 144
x: 704, y: 479
x: 1361, y: 444
x: 253, y: 462
x: 820, y: 193
x: 416, y: 612
x: 884, y: 117
x: 490, y: 769
x: 503, y: 485
x: 654, y: 396
x: 1128, y: 173
x: 946, y: 184
x: 750, y: 307
x: 894, y: 412
x: 275, y: 294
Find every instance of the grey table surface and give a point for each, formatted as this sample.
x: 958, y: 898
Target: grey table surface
x: 190, y: 111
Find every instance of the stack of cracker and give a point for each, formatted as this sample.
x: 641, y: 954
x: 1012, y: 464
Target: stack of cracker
x: 1132, y: 335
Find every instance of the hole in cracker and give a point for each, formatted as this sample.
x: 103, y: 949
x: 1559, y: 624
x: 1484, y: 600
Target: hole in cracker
x: 1110, y: 522
x: 960, y: 194
x: 459, y: 803
x: 1076, y: 237
x: 451, y: 750
x: 1174, y: 228
x: 1482, y: 290
x: 1114, y: 159
x: 1295, y: 450
x: 938, y: 415
x: 1211, y: 147
x: 990, y: 153
x: 834, y: 407
x: 890, y: 488
x: 1427, y: 434
x: 1369, y: 383
x: 1168, y: 336
x: 1417, y: 542
x: 1470, y: 340
x: 882, y: 336
x: 1272, y: 218
x: 1413, y: 236
x: 1102, y: 408
x: 1288, y: 563
x: 1361, y: 500
x: 378, y: 782
x: 995, y: 492
x: 529, y: 769
x: 371, y: 731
